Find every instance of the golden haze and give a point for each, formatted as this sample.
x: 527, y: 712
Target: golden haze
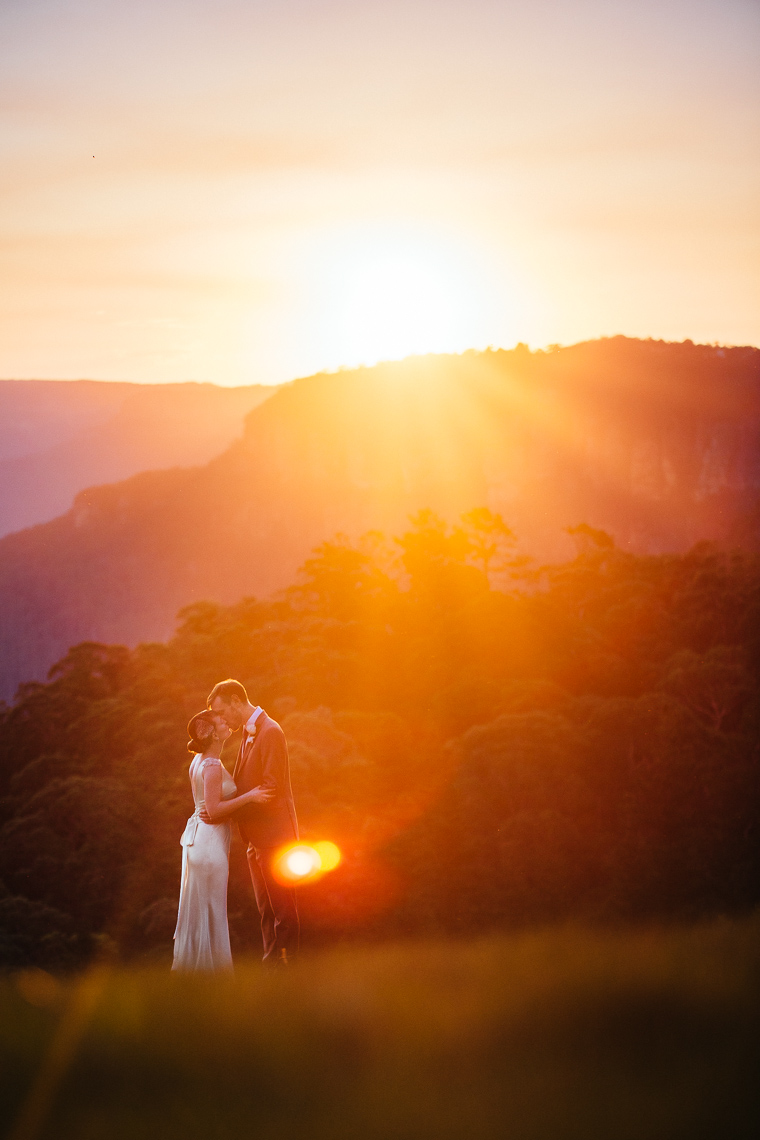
x: 247, y: 193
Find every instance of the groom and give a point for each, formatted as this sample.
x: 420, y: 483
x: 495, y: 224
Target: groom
x: 262, y: 760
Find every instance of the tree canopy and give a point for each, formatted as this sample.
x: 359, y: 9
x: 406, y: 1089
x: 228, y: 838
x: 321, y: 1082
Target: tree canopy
x: 489, y: 742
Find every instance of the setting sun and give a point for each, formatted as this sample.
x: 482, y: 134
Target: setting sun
x: 391, y: 291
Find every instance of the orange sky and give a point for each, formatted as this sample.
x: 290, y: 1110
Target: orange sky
x: 247, y: 191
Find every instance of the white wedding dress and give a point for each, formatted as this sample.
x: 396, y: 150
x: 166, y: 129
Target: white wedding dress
x: 202, y: 937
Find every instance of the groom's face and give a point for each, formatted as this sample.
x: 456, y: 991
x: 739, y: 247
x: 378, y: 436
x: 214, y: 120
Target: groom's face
x: 231, y: 713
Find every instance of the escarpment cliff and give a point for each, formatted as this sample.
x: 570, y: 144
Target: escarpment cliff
x: 658, y: 444
x: 60, y: 437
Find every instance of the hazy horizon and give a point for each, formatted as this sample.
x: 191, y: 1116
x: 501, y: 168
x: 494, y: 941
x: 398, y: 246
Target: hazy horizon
x: 352, y: 368
x: 238, y: 194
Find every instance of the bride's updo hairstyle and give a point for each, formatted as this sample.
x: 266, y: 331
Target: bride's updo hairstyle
x: 200, y: 730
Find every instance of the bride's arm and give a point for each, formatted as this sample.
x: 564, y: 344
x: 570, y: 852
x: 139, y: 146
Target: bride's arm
x: 218, y: 809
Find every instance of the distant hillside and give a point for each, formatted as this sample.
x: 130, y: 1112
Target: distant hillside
x: 658, y: 444
x: 59, y: 437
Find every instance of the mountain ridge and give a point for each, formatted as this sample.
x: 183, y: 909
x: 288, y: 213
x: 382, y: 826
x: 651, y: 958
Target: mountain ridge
x: 656, y: 443
x: 63, y: 436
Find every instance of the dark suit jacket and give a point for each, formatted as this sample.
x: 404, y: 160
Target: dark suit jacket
x: 265, y: 762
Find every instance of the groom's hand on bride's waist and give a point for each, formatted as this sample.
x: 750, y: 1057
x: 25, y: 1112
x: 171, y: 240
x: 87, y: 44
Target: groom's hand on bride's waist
x: 259, y: 795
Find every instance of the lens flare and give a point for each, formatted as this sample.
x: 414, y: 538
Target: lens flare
x: 302, y: 861
x: 328, y: 853
x: 305, y: 862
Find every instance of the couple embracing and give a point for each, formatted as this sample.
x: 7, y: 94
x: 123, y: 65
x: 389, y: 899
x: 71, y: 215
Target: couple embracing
x: 258, y: 797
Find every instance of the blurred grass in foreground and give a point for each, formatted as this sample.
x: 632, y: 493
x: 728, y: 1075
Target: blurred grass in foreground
x: 553, y: 1035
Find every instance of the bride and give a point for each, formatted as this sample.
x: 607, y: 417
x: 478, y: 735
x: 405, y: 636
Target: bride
x: 202, y: 939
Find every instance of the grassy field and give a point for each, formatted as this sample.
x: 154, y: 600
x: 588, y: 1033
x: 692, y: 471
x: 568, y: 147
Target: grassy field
x: 557, y: 1035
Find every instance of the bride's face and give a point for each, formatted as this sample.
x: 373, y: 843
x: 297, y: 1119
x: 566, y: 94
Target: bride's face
x: 222, y: 729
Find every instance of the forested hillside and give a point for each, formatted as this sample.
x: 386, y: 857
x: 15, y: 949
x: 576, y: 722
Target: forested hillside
x: 658, y: 444
x: 490, y: 744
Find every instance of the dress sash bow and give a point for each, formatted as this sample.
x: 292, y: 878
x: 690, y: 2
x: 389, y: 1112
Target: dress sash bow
x: 188, y: 835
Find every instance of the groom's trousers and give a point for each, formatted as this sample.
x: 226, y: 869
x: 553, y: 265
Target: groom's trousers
x: 280, y: 928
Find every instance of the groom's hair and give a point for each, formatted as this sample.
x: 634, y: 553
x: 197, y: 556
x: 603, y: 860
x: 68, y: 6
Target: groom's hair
x: 227, y: 690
